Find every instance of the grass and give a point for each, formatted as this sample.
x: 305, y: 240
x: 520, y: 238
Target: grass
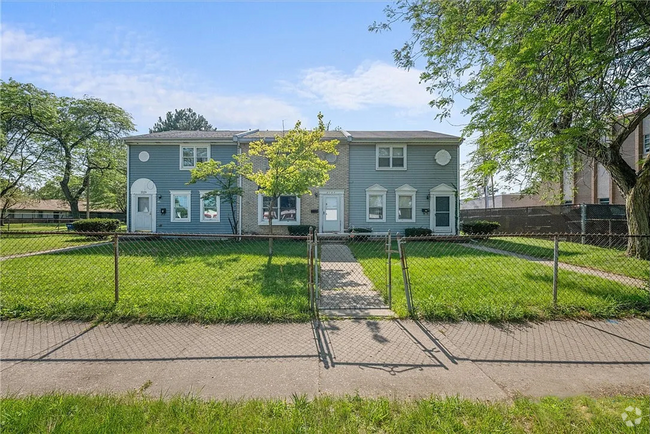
x: 451, y: 282
x: 611, y: 260
x: 14, y: 243
x: 161, y: 280
x: 136, y: 413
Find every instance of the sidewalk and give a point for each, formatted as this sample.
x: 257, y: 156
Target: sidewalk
x: 397, y: 359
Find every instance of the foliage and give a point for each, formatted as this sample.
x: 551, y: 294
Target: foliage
x: 225, y: 176
x: 300, y: 230
x: 22, y: 150
x: 548, y: 81
x: 292, y: 164
x: 359, y: 230
x: 96, y: 225
x: 417, y: 232
x: 182, y: 120
x: 479, y: 227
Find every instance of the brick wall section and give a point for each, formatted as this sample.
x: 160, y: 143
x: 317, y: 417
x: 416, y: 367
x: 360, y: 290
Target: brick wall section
x: 339, y: 180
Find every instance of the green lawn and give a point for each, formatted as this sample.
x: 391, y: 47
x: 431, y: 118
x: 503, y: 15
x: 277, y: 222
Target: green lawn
x: 135, y: 413
x: 14, y: 243
x: 161, y: 280
x: 612, y: 260
x: 452, y: 282
x: 41, y: 227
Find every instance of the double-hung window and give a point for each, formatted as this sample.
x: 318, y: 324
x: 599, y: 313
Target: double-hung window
x: 390, y: 157
x: 646, y: 144
x: 181, y: 206
x: 210, y: 207
x: 376, y: 204
x: 191, y: 155
x: 405, y: 200
x: 286, y: 210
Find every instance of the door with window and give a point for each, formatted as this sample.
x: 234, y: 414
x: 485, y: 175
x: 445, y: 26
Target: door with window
x: 443, y: 214
x: 142, y: 220
x: 331, y: 213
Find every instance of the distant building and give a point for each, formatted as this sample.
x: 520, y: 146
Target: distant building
x: 54, y: 209
x: 592, y: 184
x: 514, y: 200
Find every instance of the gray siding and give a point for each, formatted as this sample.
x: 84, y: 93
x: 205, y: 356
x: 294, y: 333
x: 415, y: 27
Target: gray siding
x: 163, y: 169
x: 422, y: 173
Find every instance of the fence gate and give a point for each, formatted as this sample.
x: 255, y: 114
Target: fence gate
x: 352, y: 271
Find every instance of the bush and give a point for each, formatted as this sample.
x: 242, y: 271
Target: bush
x: 360, y: 230
x: 417, y: 232
x: 300, y: 230
x: 96, y: 225
x: 479, y: 227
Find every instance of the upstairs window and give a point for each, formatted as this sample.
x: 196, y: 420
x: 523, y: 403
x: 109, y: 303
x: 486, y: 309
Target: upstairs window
x: 191, y: 155
x: 391, y: 157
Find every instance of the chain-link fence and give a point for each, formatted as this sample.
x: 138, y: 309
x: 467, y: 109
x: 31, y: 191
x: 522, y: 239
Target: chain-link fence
x: 139, y: 277
x: 226, y: 278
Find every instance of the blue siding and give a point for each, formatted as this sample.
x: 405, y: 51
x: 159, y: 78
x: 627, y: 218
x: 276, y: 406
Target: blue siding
x: 163, y: 169
x: 422, y: 173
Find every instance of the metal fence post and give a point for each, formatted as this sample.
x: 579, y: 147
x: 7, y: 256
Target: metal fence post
x: 389, y: 284
x: 583, y: 222
x: 556, y: 254
x: 310, y: 266
x: 403, y: 264
x: 116, y: 257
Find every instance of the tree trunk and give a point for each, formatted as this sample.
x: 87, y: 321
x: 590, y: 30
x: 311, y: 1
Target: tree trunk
x: 637, y: 209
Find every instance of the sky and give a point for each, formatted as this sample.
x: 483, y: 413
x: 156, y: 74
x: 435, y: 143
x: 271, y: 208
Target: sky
x: 242, y: 65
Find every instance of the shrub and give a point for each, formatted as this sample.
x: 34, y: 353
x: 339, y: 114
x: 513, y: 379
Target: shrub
x: 417, y: 232
x: 479, y: 227
x: 300, y: 230
x: 360, y: 230
x: 96, y: 225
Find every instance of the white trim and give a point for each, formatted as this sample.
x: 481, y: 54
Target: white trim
x: 261, y: 221
x: 202, y: 218
x: 142, y: 187
x: 391, y: 156
x: 194, y: 147
x: 321, y: 207
x: 376, y: 190
x: 405, y: 190
x: 173, y: 217
x: 443, y: 190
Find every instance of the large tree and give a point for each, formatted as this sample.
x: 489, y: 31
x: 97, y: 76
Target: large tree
x: 86, y: 135
x: 292, y: 165
x: 22, y: 151
x: 548, y: 80
x: 182, y: 120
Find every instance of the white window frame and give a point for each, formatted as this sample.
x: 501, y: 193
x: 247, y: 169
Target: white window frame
x: 174, y: 193
x: 276, y: 222
x: 376, y: 190
x: 194, y: 148
x: 202, y: 218
x: 391, y: 157
x: 405, y: 190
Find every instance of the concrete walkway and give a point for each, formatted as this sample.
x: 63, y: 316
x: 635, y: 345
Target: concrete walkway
x: 625, y: 280
x: 397, y: 359
x: 343, y: 284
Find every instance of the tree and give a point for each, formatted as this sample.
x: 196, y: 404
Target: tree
x: 548, y: 81
x: 86, y: 135
x: 182, y: 120
x: 225, y: 176
x: 293, y: 165
x: 22, y: 150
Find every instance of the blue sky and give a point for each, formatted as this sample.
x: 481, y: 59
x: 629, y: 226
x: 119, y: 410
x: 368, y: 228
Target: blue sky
x: 241, y: 65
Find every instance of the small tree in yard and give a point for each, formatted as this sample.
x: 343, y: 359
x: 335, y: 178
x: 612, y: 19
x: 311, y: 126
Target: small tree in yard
x: 225, y: 177
x: 293, y: 165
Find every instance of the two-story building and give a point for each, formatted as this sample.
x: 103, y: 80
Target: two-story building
x: 382, y: 180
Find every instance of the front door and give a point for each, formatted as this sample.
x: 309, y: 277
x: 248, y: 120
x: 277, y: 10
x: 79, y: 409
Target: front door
x: 142, y: 219
x: 331, y: 213
x: 443, y: 214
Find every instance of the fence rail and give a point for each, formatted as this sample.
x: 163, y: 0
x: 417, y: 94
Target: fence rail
x: 216, y: 278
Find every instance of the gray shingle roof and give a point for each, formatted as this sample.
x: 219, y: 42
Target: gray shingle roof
x: 219, y: 134
x: 421, y: 135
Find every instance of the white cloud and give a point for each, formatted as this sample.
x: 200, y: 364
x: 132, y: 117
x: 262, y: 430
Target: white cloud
x: 375, y: 84
x: 131, y: 72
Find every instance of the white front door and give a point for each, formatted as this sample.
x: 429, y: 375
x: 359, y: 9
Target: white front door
x: 142, y: 220
x: 442, y: 214
x: 331, y: 213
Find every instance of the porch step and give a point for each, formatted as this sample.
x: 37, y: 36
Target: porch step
x: 357, y: 313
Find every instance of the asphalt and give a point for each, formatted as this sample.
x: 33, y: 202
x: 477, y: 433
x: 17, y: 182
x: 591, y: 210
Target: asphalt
x: 392, y: 358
